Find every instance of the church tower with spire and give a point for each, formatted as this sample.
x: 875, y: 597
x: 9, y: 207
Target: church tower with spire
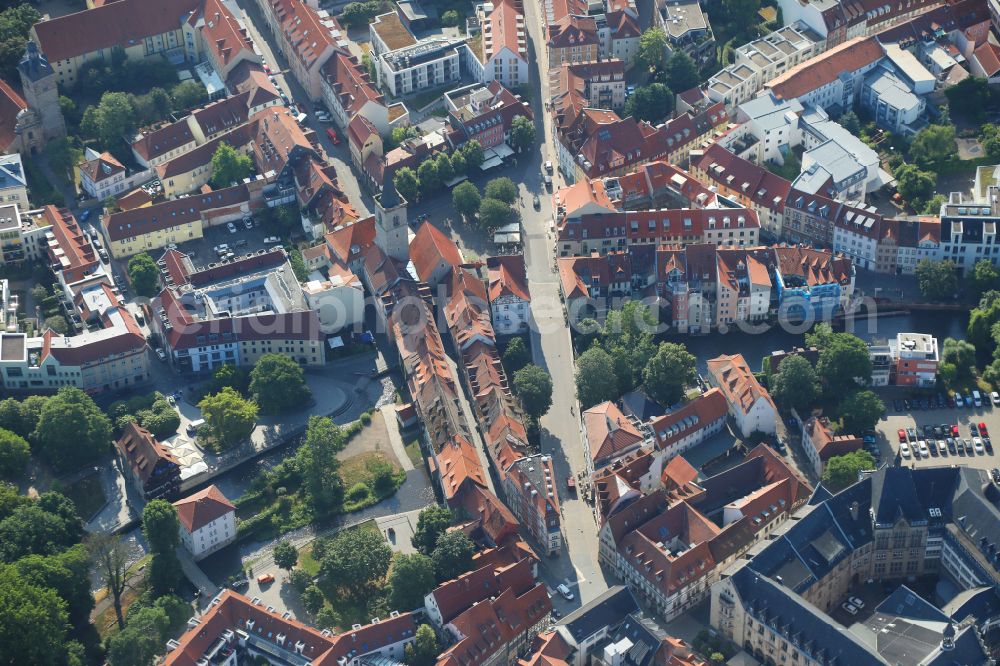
x: 391, y: 229
x: 41, y: 93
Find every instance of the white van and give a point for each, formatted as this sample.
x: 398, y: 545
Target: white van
x: 301, y: 118
x: 192, y: 428
x: 977, y: 398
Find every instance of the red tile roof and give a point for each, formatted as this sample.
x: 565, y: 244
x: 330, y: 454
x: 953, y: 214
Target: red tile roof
x: 11, y: 104
x: 123, y: 23
x: 988, y: 56
x: 609, y: 433
x: 457, y: 464
x: 807, y: 76
x: 73, y: 251
x: 506, y: 27
x: 430, y: 247
x: 140, y: 221
x: 573, y: 31
x: 103, y: 166
x: 142, y: 451
x: 310, y: 35
x: 699, y: 413
x: 197, y: 510
x: 507, y: 277
x: 737, y: 382
x: 222, y: 33
x: 826, y: 443
x: 349, y: 79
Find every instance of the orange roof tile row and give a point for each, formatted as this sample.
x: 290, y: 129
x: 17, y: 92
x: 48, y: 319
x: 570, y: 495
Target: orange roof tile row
x: 737, y: 382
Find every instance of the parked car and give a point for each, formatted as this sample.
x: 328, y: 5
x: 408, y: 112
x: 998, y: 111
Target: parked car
x: 265, y: 579
x: 977, y: 445
x: 231, y: 227
x: 565, y: 592
x: 968, y: 446
x: 248, y: 222
x: 995, y: 474
x: 924, y: 452
x: 272, y: 240
x: 904, y: 450
x: 942, y: 447
x: 995, y: 399
x: 536, y: 202
x: 982, y: 429
x: 911, y: 433
x: 988, y: 445
x: 856, y: 602
x: 902, y: 435
x: 332, y: 133
x: 951, y: 445
x: 932, y: 448
x: 160, y: 354
x: 849, y: 607
x: 897, y: 404
x: 954, y: 431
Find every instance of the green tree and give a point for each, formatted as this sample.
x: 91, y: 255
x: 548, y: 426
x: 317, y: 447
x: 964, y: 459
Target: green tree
x: 667, y: 374
x: 317, y: 458
x: 682, y: 74
x: 406, y: 183
x: 796, y: 384
x: 493, y: 213
x: 312, y: 599
x: 431, y: 524
x: 445, y: 170
x: 110, y: 556
x: 15, y: 24
x: 229, y: 417
x: 458, y: 164
x: 68, y: 573
x: 915, y: 185
x: 427, y: 175
x: 14, y: 455
x: 534, y: 386
x: 522, y: 133
x: 653, y: 49
x: 62, y: 155
x: 850, y: 122
x: 961, y: 355
x: 411, y: 578
x: 286, y: 555
x: 989, y: 138
x: 844, y: 363
x: 232, y: 376
x: 970, y: 97
x: 450, y: 18
x: 515, y: 357
x: 33, y: 630
x: 113, y: 119
x: 465, y: 197
x: 160, y: 526
x: 842, y: 471
x: 144, y: 274
x: 933, y: 205
x: 472, y: 151
x: 57, y: 323
x: 72, y: 431
x: 140, y: 641
x: 934, y: 144
x: 983, y: 277
x: 453, y: 555
x: 229, y: 166
x: 187, y: 95
x: 278, y: 384
x: 595, y: 378
x: 860, y: 411
x: 937, y: 280
x: 627, y: 336
x: 502, y: 189
x: 423, y: 651
x: 164, y: 573
x: 355, y: 562
x: 743, y: 13
x: 651, y: 103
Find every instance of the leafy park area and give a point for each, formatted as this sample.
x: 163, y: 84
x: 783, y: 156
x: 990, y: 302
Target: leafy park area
x: 315, y: 484
x: 354, y: 575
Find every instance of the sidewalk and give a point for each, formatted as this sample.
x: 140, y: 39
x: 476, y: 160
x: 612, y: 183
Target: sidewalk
x: 392, y: 426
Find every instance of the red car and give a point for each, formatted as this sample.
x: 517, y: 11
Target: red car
x: 954, y: 431
x: 982, y: 430
x: 333, y: 135
x: 902, y: 435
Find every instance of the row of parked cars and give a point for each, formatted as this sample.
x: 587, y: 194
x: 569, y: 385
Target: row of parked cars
x: 942, y: 440
x: 941, y: 401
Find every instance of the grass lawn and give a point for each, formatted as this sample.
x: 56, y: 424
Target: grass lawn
x: 414, y: 453
x: 420, y: 100
x: 355, y: 469
x: 88, y: 495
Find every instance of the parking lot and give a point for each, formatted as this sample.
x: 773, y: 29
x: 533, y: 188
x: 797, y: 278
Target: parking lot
x: 927, y: 420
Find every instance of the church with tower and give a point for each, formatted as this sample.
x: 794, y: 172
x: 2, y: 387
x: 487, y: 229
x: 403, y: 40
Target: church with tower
x: 30, y: 118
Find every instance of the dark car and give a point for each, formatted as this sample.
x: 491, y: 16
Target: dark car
x: 974, y: 429
x: 911, y: 433
x: 968, y: 447
x: 897, y: 404
x: 906, y: 404
x: 995, y: 473
x: 937, y: 432
x: 988, y: 445
x: 928, y: 430
x: 951, y: 445
x: 932, y: 448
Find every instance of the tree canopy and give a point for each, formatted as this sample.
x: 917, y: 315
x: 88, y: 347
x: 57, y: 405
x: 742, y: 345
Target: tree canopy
x: 14, y: 455
x: 453, y: 555
x: 667, y: 374
x: 681, y: 72
x: 842, y: 471
x: 278, y: 384
x: 494, y: 213
x: 229, y: 417
x: 406, y: 183
x: 354, y: 562
x: 431, y: 524
x: 286, y: 555
x: 595, y: 377
x: 651, y: 103
x: 144, y: 274
x: 844, y: 363
x: 653, y: 49
x: 112, y: 119
x: 937, y: 280
x: 515, y: 357
x: 502, y: 189
x: 860, y: 411
x: 72, y: 431
x: 424, y: 650
x: 411, y: 578
x: 796, y: 384
x: 317, y: 458
x: 522, y: 133
x: 933, y: 144
x: 160, y: 526
x: 914, y: 184
x: 534, y: 386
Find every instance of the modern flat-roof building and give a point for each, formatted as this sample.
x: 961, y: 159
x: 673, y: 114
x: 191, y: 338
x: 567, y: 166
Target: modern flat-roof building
x: 687, y: 29
x: 407, y: 65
